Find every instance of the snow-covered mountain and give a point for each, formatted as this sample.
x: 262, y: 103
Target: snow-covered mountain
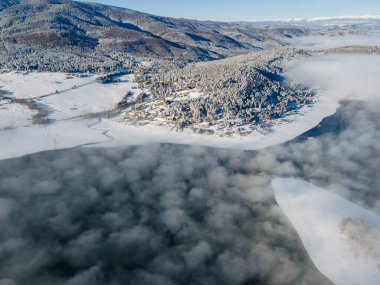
x: 105, y: 33
x: 47, y: 34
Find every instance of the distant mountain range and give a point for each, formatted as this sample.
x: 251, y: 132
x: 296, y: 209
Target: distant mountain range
x: 88, y: 26
x: 47, y: 34
x: 334, y: 18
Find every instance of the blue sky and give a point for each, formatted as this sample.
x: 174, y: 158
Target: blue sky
x: 246, y: 10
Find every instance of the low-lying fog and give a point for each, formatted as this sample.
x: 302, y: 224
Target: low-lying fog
x: 328, y: 41
x: 340, y: 77
x: 171, y: 214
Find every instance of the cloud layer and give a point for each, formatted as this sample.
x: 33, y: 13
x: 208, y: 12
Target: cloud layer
x: 159, y: 214
x: 327, y: 41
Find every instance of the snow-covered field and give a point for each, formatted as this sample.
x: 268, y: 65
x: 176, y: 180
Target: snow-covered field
x: 28, y: 85
x: 92, y: 98
x: 341, y: 238
x: 14, y: 115
x: 25, y: 140
x: 67, y: 95
x: 67, y: 98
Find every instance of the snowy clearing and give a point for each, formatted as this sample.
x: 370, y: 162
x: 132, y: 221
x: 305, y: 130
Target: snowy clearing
x: 33, y: 84
x: 328, y: 227
x: 76, y: 98
x: 13, y: 115
x: 66, y: 134
x: 93, y: 98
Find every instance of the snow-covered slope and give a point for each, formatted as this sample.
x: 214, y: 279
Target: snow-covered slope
x: 67, y: 101
x: 340, y: 237
x: 12, y: 115
x: 32, y: 84
x: 65, y: 95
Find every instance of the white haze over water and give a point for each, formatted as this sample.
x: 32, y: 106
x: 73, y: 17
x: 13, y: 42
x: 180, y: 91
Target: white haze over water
x: 340, y: 77
x: 326, y: 41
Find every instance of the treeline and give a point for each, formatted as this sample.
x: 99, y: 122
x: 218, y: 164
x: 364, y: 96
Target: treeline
x: 23, y: 57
